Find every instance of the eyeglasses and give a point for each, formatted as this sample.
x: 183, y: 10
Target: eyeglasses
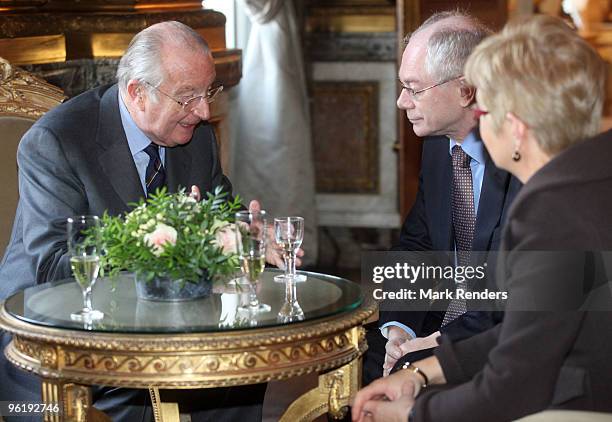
x: 415, y: 94
x: 190, y: 104
x: 478, y: 113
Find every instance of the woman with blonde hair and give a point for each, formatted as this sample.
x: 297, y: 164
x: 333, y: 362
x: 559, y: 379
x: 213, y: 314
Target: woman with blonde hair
x: 540, y: 93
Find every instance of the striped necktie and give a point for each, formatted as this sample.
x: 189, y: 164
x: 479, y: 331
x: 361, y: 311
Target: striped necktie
x: 155, y: 176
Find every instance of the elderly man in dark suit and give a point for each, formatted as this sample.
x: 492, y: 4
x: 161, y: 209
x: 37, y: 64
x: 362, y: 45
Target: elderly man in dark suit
x: 439, y: 103
x: 103, y: 150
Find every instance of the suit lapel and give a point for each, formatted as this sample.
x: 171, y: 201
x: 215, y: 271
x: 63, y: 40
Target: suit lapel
x: 492, y: 196
x: 114, y: 153
x: 441, y: 191
x: 178, y: 168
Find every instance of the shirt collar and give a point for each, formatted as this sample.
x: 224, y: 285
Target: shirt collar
x: 471, y: 145
x: 137, y: 140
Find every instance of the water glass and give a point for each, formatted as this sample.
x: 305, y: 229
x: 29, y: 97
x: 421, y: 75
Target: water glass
x: 289, y: 234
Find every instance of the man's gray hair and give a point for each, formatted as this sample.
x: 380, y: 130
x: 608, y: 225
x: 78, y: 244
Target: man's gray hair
x: 143, y: 58
x: 449, y: 47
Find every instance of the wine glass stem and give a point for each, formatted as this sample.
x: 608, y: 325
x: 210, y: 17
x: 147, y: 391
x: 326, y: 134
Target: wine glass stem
x: 253, y: 300
x: 290, y: 264
x: 87, y: 300
x: 290, y: 291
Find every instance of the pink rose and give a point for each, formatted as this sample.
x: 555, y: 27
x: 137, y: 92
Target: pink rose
x: 225, y: 237
x: 160, y: 237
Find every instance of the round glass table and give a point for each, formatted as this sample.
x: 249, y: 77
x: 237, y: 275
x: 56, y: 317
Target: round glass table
x: 202, y: 343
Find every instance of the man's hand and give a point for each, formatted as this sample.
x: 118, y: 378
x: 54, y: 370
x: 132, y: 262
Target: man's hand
x: 420, y: 343
x: 396, y: 337
x: 388, y: 411
x: 274, y: 253
x: 401, y: 384
x: 195, y: 193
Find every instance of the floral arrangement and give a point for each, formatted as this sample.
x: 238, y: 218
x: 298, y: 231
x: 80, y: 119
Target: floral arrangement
x: 174, y: 236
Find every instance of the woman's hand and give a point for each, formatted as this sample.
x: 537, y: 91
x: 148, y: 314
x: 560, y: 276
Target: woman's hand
x: 371, y: 399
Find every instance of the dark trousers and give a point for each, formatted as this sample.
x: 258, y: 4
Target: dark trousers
x: 374, y: 357
x: 229, y: 404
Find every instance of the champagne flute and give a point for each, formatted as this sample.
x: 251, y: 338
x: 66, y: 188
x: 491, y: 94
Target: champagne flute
x: 251, y: 248
x: 289, y: 233
x: 84, y: 250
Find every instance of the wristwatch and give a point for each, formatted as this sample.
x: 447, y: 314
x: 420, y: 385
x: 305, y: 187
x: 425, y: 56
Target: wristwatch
x: 411, y: 415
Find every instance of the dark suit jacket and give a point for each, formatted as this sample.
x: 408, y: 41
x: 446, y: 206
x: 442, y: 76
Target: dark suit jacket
x: 76, y: 160
x: 555, y: 356
x: 428, y: 227
x: 86, y: 168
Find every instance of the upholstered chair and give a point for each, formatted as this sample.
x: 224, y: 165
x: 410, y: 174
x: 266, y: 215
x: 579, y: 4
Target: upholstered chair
x: 23, y: 99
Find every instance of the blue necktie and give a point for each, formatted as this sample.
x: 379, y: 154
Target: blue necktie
x: 155, y: 176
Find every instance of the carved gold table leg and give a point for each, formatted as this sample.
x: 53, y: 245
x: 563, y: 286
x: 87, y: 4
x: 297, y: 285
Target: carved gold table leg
x: 73, y: 403
x: 52, y: 395
x: 163, y: 412
x: 334, y: 392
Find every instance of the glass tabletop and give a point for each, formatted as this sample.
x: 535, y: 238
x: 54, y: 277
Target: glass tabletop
x: 51, y: 304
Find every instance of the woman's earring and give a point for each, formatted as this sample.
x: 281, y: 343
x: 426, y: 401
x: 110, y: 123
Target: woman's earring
x: 516, y: 156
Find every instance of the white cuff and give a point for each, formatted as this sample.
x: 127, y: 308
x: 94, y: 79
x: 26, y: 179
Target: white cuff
x: 384, y: 330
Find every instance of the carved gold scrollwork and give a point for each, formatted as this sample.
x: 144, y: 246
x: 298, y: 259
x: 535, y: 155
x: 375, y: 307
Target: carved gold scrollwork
x: 47, y: 355
x: 223, y: 363
x: 25, y: 95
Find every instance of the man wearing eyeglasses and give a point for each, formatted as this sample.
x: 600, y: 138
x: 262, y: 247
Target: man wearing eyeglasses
x: 438, y: 104
x: 101, y: 151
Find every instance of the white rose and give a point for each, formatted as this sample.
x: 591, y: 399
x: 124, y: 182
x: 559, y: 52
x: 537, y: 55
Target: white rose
x: 160, y: 237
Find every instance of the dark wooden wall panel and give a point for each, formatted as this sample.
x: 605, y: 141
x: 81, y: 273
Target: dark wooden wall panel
x: 345, y: 137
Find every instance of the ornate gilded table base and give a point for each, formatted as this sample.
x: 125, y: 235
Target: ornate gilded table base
x: 67, y: 360
x: 333, y: 394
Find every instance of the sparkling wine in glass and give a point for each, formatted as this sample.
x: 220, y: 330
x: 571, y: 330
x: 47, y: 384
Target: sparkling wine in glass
x: 289, y: 233
x: 84, y: 252
x: 251, y: 248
